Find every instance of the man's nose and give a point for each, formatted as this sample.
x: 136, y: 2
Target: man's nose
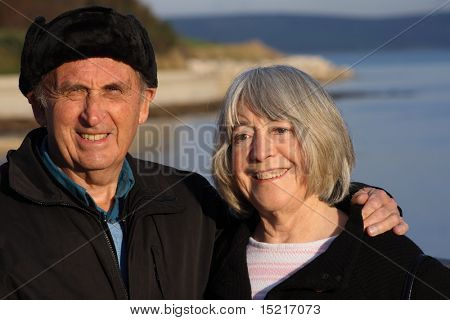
x: 261, y: 148
x: 94, y: 110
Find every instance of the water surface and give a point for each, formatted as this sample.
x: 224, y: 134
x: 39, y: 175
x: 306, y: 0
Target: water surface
x: 401, y: 134
x: 400, y: 127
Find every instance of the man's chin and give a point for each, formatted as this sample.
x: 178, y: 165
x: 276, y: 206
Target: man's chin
x: 98, y: 164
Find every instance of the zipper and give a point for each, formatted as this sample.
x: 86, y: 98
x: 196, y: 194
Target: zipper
x: 106, y: 236
x: 156, y: 270
x: 104, y: 228
x: 154, y: 251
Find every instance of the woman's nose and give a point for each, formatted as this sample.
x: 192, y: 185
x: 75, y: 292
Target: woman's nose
x: 262, y: 147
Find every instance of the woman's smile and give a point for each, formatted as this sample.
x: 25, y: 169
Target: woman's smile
x: 269, y: 175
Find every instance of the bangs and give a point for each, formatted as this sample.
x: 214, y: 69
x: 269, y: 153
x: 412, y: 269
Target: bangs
x: 259, y: 94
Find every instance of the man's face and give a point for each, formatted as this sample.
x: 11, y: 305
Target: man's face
x: 94, y: 114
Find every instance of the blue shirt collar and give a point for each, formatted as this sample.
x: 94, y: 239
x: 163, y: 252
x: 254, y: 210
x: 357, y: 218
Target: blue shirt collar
x: 124, y: 185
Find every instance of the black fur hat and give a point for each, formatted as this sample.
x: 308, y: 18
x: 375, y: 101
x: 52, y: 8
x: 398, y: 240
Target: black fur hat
x: 85, y: 33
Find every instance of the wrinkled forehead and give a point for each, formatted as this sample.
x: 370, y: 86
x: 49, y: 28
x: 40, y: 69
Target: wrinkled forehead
x: 95, y: 72
x: 100, y: 67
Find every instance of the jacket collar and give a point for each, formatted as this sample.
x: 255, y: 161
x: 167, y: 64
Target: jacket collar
x: 152, y: 191
x: 27, y: 174
x: 29, y: 177
x: 124, y: 184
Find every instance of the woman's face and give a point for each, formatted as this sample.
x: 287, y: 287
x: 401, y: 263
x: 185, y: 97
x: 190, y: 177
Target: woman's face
x: 266, y: 158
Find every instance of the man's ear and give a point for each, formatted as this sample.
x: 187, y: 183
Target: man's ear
x: 147, y: 98
x: 38, y: 110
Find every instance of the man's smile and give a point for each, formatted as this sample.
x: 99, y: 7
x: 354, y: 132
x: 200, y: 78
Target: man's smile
x: 94, y: 137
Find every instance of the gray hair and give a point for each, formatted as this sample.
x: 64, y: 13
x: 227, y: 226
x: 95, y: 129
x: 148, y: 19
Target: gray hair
x: 285, y: 93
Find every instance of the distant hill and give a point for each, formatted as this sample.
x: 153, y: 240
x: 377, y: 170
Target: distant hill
x: 295, y: 33
x: 22, y: 12
x: 172, y: 51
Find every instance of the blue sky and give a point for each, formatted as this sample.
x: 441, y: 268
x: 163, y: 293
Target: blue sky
x: 166, y: 8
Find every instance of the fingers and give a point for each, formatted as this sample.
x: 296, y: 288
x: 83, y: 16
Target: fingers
x: 387, y: 223
x: 402, y: 228
x: 361, y: 196
x: 380, y: 212
x: 374, y: 199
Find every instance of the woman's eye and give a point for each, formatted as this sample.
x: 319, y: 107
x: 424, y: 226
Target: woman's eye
x: 239, y: 138
x: 281, y: 130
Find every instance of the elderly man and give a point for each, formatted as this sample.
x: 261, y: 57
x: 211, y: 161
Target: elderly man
x: 81, y: 219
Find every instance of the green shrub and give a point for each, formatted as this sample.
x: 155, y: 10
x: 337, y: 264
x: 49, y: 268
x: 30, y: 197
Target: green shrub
x: 11, y: 42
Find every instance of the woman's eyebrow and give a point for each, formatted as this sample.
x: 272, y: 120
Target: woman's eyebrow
x: 241, y: 124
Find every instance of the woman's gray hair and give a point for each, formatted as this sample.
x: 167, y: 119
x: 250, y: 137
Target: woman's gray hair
x: 282, y: 92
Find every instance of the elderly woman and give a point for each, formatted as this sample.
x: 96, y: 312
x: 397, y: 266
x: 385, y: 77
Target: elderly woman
x: 283, y: 161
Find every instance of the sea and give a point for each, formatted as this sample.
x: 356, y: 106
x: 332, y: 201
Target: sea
x: 401, y: 133
x: 397, y: 108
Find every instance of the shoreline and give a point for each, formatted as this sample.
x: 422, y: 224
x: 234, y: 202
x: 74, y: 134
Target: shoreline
x: 23, y: 123
x: 198, y: 87
x: 14, y: 129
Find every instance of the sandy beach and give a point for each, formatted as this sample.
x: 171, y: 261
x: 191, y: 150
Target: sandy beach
x: 197, y: 88
x: 202, y: 82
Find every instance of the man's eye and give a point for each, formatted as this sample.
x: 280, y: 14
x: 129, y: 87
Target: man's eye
x: 114, y: 90
x: 74, y: 93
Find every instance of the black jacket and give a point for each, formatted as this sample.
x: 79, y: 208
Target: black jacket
x: 54, y: 247
x: 355, y: 266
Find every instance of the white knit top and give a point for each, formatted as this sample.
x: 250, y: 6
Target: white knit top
x: 270, y: 264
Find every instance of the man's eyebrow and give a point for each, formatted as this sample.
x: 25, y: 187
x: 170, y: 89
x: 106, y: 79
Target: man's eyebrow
x: 65, y: 86
x: 113, y: 85
x: 117, y: 85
